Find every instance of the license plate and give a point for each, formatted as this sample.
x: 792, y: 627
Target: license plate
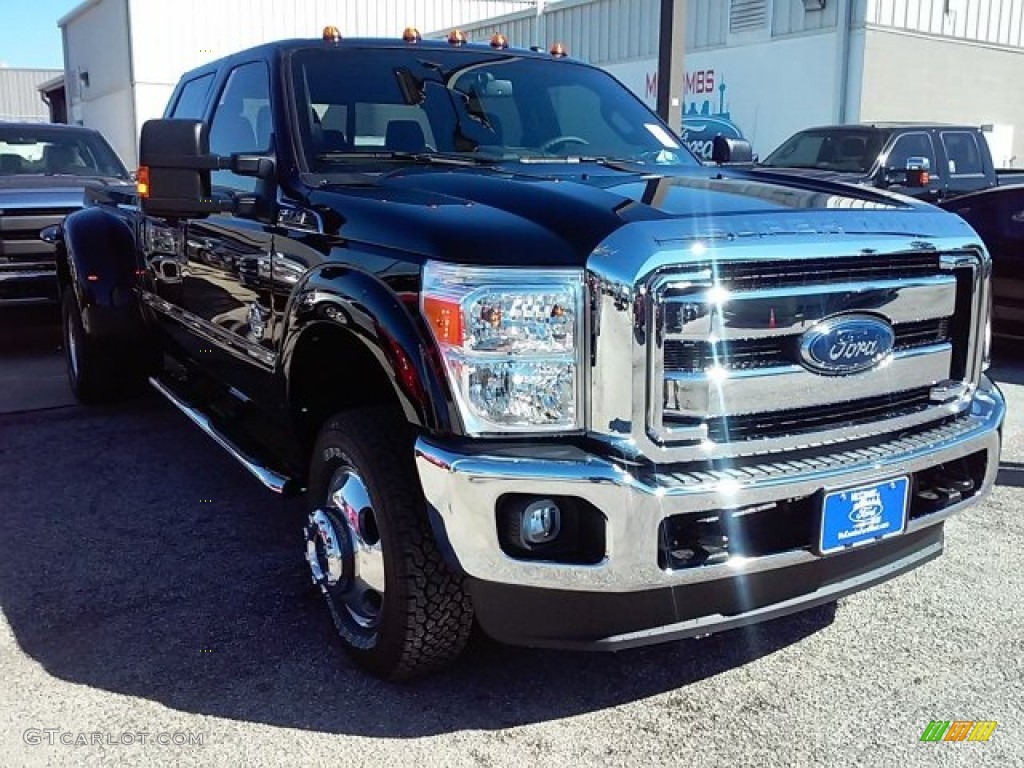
x: 867, y: 513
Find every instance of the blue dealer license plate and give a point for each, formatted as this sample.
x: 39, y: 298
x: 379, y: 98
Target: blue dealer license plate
x: 858, y: 515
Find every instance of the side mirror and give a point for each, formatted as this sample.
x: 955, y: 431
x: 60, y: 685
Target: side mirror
x: 175, y: 165
x: 725, y: 151
x: 916, y: 173
x: 174, y: 169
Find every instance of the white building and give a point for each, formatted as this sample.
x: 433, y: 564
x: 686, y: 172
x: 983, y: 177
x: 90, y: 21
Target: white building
x: 765, y: 69
x: 122, y: 58
x: 20, y: 100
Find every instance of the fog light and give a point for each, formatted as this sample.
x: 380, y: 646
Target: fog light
x: 540, y: 522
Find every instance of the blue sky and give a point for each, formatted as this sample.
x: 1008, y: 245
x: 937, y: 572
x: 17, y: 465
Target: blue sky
x: 29, y: 36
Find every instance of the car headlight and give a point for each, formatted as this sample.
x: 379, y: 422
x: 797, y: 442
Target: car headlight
x: 512, y: 344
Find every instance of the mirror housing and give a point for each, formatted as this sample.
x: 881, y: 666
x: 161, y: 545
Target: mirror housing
x: 175, y: 166
x: 915, y: 174
x: 174, y: 169
x: 725, y: 151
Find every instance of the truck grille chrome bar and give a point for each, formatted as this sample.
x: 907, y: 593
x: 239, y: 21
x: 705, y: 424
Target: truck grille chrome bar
x: 725, y: 358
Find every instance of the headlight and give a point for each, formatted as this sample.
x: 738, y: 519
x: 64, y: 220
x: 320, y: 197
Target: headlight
x: 512, y: 344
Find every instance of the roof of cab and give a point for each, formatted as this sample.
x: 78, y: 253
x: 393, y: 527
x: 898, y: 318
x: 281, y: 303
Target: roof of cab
x: 268, y: 50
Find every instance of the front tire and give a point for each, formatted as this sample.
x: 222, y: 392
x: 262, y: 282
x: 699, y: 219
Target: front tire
x: 398, y: 608
x: 90, y: 367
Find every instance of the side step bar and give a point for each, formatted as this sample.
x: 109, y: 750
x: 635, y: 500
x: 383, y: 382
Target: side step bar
x: 276, y: 482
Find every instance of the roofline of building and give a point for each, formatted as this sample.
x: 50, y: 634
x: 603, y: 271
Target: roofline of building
x: 52, y: 84
x: 77, y: 11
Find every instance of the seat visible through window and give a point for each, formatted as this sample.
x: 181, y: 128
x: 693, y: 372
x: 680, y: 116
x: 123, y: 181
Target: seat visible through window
x: 405, y: 136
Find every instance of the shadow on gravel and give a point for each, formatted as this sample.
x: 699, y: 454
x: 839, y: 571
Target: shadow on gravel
x: 136, y: 558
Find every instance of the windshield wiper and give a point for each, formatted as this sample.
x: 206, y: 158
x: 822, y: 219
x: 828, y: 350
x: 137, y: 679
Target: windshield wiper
x: 423, y: 158
x: 615, y: 163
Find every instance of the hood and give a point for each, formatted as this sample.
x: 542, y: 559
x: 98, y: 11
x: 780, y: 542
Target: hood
x: 557, y: 215
x: 57, y: 192
x: 816, y: 174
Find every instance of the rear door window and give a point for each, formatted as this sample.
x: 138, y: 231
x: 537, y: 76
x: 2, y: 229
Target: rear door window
x: 192, y: 99
x: 962, y: 153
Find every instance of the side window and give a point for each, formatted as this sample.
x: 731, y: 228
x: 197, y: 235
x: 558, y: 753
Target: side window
x: 911, y: 145
x: 962, y: 153
x: 242, y: 121
x: 192, y: 99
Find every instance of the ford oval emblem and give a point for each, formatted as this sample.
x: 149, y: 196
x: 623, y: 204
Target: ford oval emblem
x: 846, y: 344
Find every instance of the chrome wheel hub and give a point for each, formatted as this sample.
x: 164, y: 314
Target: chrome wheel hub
x: 343, y: 550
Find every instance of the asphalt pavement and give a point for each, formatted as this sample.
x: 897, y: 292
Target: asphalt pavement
x: 155, y: 610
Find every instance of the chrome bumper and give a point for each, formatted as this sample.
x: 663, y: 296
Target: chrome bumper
x: 463, y: 489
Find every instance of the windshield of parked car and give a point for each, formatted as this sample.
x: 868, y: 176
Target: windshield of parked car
x: 372, y: 105
x: 27, y: 149
x: 851, y: 150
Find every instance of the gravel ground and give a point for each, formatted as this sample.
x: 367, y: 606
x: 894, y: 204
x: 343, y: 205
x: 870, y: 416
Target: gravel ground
x: 148, y: 585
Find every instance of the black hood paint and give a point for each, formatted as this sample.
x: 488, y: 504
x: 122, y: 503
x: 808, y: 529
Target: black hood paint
x: 556, y: 215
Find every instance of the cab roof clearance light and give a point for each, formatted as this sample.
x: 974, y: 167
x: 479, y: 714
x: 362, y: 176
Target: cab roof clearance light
x: 457, y: 37
x: 411, y: 35
x: 558, y: 50
x: 332, y: 35
x: 499, y: 41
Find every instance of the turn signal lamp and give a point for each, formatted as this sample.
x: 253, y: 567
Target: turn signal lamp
x: 559, y: 51
x: 457, y: 37
x: 142, y: 181
x: 499, y: 41
x: 445, y: 319
x: 411, y: 35
x: 332, y: 34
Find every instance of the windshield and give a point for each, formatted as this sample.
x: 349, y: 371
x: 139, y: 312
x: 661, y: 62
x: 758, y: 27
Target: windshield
x: 27, y: 149
x: 360, y: 105
x: 846, y: 151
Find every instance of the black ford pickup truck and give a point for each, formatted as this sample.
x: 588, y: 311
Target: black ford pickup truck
x: 532, y: 364
x: 944, y: 160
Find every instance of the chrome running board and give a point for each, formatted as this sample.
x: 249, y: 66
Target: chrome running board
x: 276, y: 482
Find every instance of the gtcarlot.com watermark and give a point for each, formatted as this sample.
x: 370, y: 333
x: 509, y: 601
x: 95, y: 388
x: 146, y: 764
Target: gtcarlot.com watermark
x: 59, y: 737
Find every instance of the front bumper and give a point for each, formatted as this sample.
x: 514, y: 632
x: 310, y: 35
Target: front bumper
x: 639, y: 600
x: 32, y: 284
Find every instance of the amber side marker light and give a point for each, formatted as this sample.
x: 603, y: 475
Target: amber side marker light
x: 445, y: 320
x: 559, y: 51
x: 332, y: 34
x: 457, y: 37
x: 142, y: 181
x: 499, y: 41
x: 411, y: 35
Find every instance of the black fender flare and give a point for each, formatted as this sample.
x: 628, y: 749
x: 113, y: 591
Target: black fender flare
x: 377, y: 317
x: 100, y: 254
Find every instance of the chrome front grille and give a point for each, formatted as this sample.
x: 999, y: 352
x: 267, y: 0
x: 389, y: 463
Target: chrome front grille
x: 28, y: 266
x: 787, y: 273
x: 745, y: 354
x: 19, y: 236
x: 724, y: 358
x: 802, y: 421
